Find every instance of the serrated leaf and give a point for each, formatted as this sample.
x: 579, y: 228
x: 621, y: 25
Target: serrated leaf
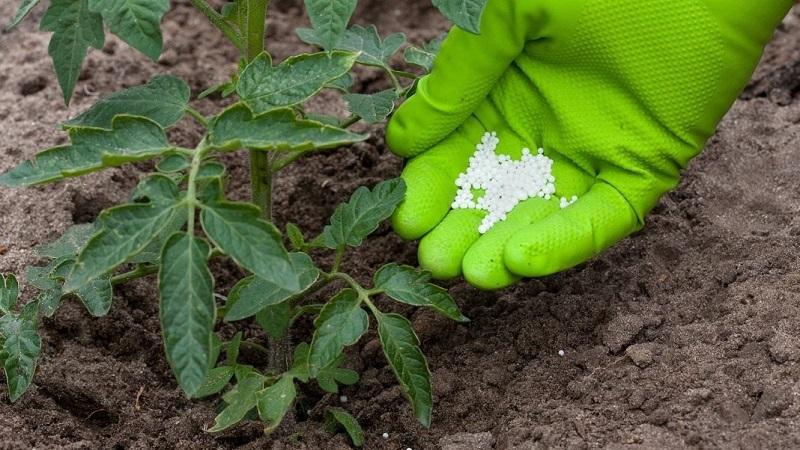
x: 172, y: 164
x: 70, y: 243
x: 124, y: 231
x: 40, y: 277
x: 96, y: 295
x: 406, y: 285
x: 24, y: 9
x: 329, y: 376
x: 75, y: 28
x: 238, y: 230
x: 258, y: 293
x: 275, y: 130
x: 21, y: 348
x: 371, y: 49
x: 275, y: 401
x: 464, y: 13
x: 276, y: 319
x: 187, y: 309
x: 425, y: 56
x: 361, y: 215
x: 9, y: 292
x: 329, y: 19
x: 215, y: 381
x: 341, y: 322
x: 348, y: 422
x: 137, y: 22
x: 264, y: 87
x: 241, y: 399
x: 131, y: 139
x: 401, y: 347
x: 372, y: 108
x: 163, y: 100
x: 157, y: 189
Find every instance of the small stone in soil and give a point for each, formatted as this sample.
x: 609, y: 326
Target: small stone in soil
x: 385, y: 435
x: 561, y: 353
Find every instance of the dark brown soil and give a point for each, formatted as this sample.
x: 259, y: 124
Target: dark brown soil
x: 684, y: 335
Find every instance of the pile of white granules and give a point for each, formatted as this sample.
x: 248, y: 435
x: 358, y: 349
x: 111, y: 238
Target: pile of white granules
x: 504, y: 182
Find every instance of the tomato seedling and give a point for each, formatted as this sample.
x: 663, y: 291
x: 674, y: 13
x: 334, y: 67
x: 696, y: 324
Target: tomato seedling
x: 179, y: 218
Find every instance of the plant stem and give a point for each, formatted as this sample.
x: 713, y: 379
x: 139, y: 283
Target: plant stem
x: 255, y: 27
x: 218, y: 21
x: 139, y: 272
x: 261, y: 182
x: 201, y: 119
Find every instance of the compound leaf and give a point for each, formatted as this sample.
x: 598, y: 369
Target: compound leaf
x: 163, y: 100
x: 264, y: 87
x: 425, y: 56
x: 241, y: 399
x: 9, y: 292
x: 125, y: 231
x: 365, y: 41
x: 401, y: 347
x: 187, y: 309
x: 329, y: 19
x: 25, y: 7
x: 256, y: 293
x: 274, y: 402
x: 341, y: 322
x: 40, y: 277
x: 75, y: 28
x: 137, y: 22
x: 275, y: 130
x: 406, y: 285
x: 238, y: 230
x: 131, y: 139
x: 96, y: 295
x: 361, y: 215
x: 464, y: 13
x: 70, y: 243
x: 339, y: 416
x: 20, y: 350
x: 372, y: 108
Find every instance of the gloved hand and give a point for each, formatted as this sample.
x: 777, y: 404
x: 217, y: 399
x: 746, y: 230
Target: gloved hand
x: 621, y: 94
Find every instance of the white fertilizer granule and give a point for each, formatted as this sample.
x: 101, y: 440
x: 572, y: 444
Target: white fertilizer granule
x: 504, y: 182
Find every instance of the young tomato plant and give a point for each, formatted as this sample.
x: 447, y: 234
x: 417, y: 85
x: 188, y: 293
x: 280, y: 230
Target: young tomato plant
x: 179, y: 218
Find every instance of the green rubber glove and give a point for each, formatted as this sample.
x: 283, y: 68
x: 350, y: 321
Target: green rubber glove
x: 621, y: 94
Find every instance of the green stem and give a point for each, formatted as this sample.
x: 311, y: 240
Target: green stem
x: 255, y: 27
x: 395, y: 82
x: 337, y: 260
x: 261, y: 182
x: 139, y: 272
x: 352, y: 120
x: 201, y: 119
x: 218, y: 21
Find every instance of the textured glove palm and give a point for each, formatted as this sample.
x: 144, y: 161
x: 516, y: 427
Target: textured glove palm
x: 621, y: 94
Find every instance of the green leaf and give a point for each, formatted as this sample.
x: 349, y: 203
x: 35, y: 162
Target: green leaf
x: 75, y: 28
x: 9, y: 292
x: 372, y: 108
x: 70, y: 243
x: 20, y: 350
x: 371, y: 49
x: 131, y: 139
x: 210, y: 169
x: 343, y: 83
x: 329, y: 19
x: 40, y: 277
x: 172, y: 164
x: 215, y: 381
x: 241, y: 399
x: 425, y: 56
x: 137, y: 22
x: 464, y: 13
x: 328, y: 377
x: 275, y: 130
x: 361, y: 215
x: 96, y: 295
x: 125, y: 231
x: 259, y: 293
x: 232, y: 353
x: 274, y: 402
x: 295, y: 236
x: 253, y: 243
x: 341, y: 322
x: 401, y: 347
x: 163, y: 100
x: 264, y: 87
x: 406, y: 285
x: 339, y: 416
x: 276, y: 319
x: 157, y: 189
x: 187, y: 309
x: 299, y: 368
x: 25, y: 7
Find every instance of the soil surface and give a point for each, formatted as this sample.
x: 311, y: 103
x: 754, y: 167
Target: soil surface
x: 684, y: 335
